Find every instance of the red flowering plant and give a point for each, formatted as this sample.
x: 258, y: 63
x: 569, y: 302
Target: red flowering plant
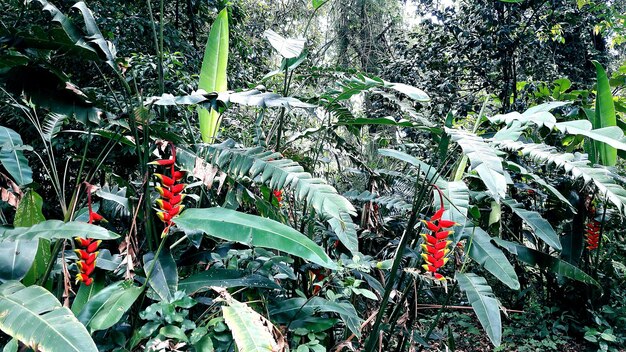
x: 278, y: 194
x: 170, y: 189
x: 436, y: 243
x: 87, y: 251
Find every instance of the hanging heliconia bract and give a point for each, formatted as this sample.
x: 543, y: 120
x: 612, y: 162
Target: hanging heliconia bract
x: 170, y: 190
x: 592, y: 234
x: 87, y: 251
x: 436, y: 244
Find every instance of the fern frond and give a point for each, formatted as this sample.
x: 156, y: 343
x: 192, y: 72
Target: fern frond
x: 578, y: 166
x: 391, y: 201
x: 272, y: 169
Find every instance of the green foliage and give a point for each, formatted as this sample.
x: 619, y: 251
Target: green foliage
x: 254, y: 231
x: 213, y: 73
x: 33, y: 316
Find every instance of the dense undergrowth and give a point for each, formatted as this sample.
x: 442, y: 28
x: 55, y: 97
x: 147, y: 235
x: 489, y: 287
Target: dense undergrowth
x: 445, y: 184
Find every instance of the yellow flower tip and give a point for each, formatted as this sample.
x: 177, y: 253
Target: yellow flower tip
x: 425, y: 257
x: 445, y: 260
x: 425, y: 266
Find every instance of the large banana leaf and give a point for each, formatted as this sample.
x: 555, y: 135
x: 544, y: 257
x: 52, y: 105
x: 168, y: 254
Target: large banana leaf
x: 490, y: 256
x: 56, y: 229
x: 226, y: 278
x: 485, y: 305
x: 17, y: 257
x: 35, y: 317
x: 12, y: 157
x: 605, y: 115
x: 107, y: 307
x: 251, y: 331
x: 540, y: 226
x: 213, y: 73
x: 252, y: 230
x: 548, y: 262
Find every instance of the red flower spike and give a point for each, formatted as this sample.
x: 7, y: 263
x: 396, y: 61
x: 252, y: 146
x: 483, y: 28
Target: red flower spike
x: 163, y: 204
x: 431, y: 226
x: 83, y: 242
x: 438, y: 214
x: 170, y: 190
x: 446, y: 223
x: 162, y: 162
x: 435, y: 247
x: 592, y: 234
x: 166, y: 181
x: 163, y: 192
x: 176, y: 199
x: 177, y: 188
x: 93, y: 217
x: 92, y: 258
x: 93, y: 246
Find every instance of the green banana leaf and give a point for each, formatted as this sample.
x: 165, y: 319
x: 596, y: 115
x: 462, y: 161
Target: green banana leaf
x: 485, y: 305
x: 605, y: 115
x: 252, y: 230
x: 213, y: 73
x: 36, y: 318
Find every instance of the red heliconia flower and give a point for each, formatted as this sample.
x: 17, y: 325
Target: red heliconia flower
x: 88, y: 251
x: 278, y: 194
x: 435, y: 247
x: 592, y: 234
x: 170, y: 190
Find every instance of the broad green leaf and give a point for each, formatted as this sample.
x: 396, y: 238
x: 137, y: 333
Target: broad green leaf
x: 11, y: 346
x: 287, y: 47
x: 252, y: 230
x: 35, y: 317
x: 226, y: 278
x: 612, y: 135
x: 300, y: 307
x: 12, y: 157
x: 108, y: 306
x: 485, y: 304
x: 56, y: 229
x: 28, y: 214
x: 164, y: 278
x: 85, y: 293
x: 540, y: 226
x: 410, y: 91
x: 251, y: 331
x: 456, y: 198
x: 213, y: 73
x: 546, y: 261
x: 17, y: 257
x: 605, y: 115
x: 491, y: 257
